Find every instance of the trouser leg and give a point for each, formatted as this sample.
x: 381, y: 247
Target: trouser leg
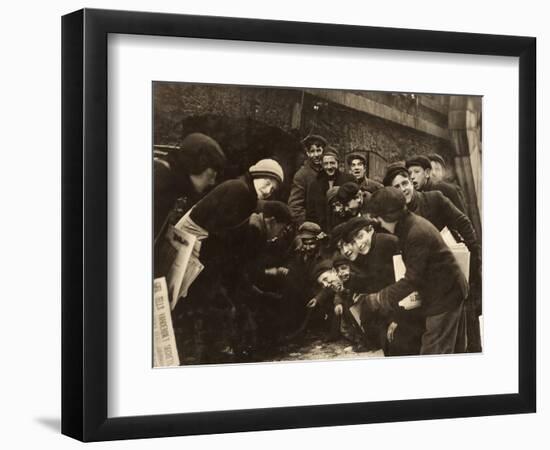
x: 442, y: 331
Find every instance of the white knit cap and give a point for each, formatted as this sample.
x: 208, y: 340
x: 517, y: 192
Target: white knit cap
x: 267, y: 168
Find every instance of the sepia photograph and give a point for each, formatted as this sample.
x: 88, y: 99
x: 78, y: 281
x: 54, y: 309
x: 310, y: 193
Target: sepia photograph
x: 303, y: 224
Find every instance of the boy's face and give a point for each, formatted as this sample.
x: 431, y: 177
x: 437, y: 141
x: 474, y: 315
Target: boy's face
x: 265, y: 187
x: 309, y: 245
x: 357, y: 168
x: 330, y: 165
x: 404, y: 185
x: 348, y: 250
x: 338, y: 208
x: 344, y: 272
x: 363, y: 240
x: 331, y: 280
x: 315, y: 152
x: 438, y: 171
x: 419, y: 176
x: 354, y: 204
x: 204, y: 180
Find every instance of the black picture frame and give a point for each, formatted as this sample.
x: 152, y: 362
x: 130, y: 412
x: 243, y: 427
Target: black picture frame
x: 84, y: 224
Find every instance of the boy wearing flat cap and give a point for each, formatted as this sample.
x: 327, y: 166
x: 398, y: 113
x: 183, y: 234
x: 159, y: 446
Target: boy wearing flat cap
x: 183, y: 178
x: 314, y: 146
x: 336, y: 213
x: 353, y: 198
x: 329, y: 177
x: 396, y: 334
x: 439, y: 210
x: 431, y: 270
x: 439, y: 167
x: 420, y: 170
x: 357, y: 164
x: 298, y: 289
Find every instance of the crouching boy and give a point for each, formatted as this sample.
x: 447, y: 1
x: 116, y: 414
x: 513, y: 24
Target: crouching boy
x: 431, y: 270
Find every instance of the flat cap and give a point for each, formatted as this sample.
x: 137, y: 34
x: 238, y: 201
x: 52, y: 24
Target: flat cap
x: 437, y: 158
x: 320, y: 267
x: 347, y: 191
x: 353, y: 225
x: 331, y: 151
x: 386, y: 201
x: 356, y: 155
x: 418, y: 160
x: 394, y: 169
x: 336, y: 234
x: 276, y: 209
x: 197, y: 146
x: 308, y: 140
x: 309, y: 230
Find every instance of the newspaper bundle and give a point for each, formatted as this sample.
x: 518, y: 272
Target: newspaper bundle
x: 460, y: 252
x: 179, y: 261
x: 165, y: 352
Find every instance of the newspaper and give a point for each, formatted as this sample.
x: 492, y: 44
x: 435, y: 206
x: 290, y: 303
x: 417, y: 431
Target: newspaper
x: 165, y: 352
x: 194, y: 268
x: 459, y: 250
x: 412, y: 301
x: 176, y: 251
x: 355, y: 311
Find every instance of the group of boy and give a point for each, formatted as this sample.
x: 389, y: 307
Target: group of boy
x: 325, y: 259
x: 433, y: 309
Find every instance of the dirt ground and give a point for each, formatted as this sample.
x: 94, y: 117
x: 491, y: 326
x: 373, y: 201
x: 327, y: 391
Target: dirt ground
x: 310, y: 347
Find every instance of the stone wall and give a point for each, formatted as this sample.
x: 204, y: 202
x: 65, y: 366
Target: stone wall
x: 337, y: 115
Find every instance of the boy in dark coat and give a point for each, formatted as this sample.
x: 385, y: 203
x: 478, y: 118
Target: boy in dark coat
x: 354, y: 199
x: 183, y: 178
x: 330, y: 176
x: 314, y: 145
x: 439, y: 210
x: 215, y: 221
x: 357, y: 166
x: 420, y: 168
x: 431, y: 270
x: 298, y: 290
x: 374, y: 271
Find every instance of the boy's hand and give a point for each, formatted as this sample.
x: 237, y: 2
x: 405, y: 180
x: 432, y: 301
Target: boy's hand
x: 338, y: 310
x: 390, y: 332
x: 312, y: 303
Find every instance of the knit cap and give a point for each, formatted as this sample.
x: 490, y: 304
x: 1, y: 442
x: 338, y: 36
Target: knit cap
x: 267, y: 168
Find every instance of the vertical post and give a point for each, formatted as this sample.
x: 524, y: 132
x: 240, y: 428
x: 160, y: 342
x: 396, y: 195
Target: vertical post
x: 465, y: 134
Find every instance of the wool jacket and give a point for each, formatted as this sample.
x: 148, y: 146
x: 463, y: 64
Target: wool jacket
x: 316, y: 197
x: 450, y: 190
x: 376, y: 267
x: 439, y: 210
x: 297, y: 198
x: 431, y: 269
x: 170, y: 193
x: 227, y: 206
